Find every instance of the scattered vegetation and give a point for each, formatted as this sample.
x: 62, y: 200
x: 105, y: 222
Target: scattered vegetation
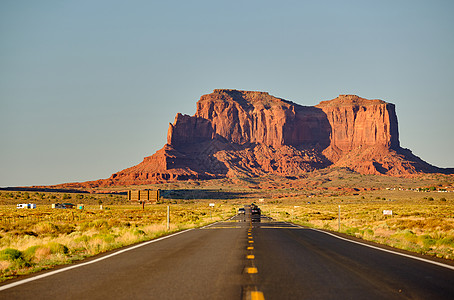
x: 36, y: 239
x: 422, y: 228
x: 47, y: 198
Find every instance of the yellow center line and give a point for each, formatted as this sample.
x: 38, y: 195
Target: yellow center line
x: 257, y: 295
x: 251, y: 242
x: 251, y: 256
x: 252, y: 270
x: 250, y: 248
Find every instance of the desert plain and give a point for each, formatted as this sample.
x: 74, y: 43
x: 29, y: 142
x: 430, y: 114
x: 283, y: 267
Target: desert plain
x: 337, y: 200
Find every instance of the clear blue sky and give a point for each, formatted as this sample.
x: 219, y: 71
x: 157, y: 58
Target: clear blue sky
x: 88, y: 88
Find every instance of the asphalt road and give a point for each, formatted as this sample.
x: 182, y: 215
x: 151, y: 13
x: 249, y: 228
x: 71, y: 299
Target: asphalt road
x: 242, y: 260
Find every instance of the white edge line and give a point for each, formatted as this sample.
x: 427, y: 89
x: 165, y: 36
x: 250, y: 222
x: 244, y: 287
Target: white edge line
x: 382, y: 249
x: 20, y: 282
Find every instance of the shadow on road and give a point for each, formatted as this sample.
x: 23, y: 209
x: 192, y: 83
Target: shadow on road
x: 188, y: 194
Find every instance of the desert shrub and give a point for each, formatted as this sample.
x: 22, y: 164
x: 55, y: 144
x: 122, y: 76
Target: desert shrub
x: 98, y: 224
x: 29, y: 253
x: 447, y: 241
x: 65, y: 228
x: 42, y: 253
x: 138, y: 232
x: 443, y: 199
x: 82, y: 239
x: 352, y: 231
x: 57, y: 248
x: 409, y: 236
x: 427, y: 240
x: 108, y: 238
x: 45, y: 228
x: 49, y: 228
x: 14, y: 257
x: 10, y: 254
x: 369, y: 232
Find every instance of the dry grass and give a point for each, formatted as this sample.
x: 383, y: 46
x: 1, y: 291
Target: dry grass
x: 422, y: 228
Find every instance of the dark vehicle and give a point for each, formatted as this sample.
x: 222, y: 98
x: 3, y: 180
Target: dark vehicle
x: 241, y: 211
x: 255, y: 213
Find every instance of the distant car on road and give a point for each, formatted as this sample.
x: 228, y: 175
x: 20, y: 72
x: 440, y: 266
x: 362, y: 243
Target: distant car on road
x: 255, y: 213
x: 241, y: 211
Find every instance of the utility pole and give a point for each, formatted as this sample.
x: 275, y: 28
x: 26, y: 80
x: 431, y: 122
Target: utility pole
x: 168, y: 217
x: 339, y: 220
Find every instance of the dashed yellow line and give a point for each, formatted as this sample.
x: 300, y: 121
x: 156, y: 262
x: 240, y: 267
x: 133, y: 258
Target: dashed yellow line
x: 256, y: 295
x: 252, y: 293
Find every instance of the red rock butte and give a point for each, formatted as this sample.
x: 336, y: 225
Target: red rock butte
x: 246, y: 133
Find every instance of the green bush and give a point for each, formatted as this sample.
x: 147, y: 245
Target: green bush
x: 10, y: 254
x: 448, y: 241
x: 427, y: 240
x: 29, y: 253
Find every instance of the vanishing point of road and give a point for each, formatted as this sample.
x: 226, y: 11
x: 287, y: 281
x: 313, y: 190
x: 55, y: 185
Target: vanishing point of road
x: 237, y: 259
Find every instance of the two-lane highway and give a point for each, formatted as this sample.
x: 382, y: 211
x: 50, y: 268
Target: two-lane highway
x: 239, y: 259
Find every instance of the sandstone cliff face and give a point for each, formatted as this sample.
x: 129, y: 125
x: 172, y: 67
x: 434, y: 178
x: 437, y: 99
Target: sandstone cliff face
x: 189, y: 130
x: 243, y: 133
x: 256, y: 117
x: 356, y: 122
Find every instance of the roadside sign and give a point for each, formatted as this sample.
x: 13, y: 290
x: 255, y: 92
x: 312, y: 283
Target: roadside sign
x: 388, y: 212
x: 212, y: 204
